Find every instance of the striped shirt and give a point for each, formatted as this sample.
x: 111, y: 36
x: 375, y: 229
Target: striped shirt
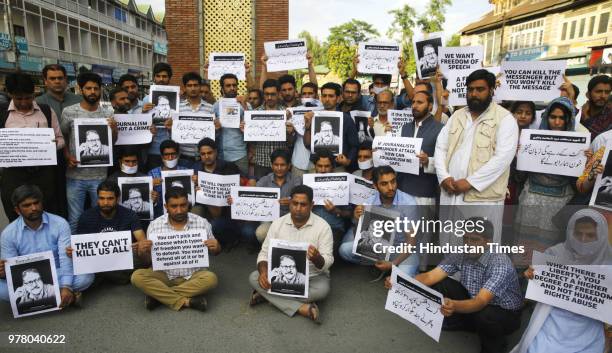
x: 195, y: 222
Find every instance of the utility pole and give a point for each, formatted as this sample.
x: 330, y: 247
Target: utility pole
x: 8, y: 18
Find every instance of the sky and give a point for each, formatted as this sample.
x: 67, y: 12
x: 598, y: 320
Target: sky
x: 158, y: 5
x: 317, y: 16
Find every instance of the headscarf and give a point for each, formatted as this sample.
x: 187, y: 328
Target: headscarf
x: 569, y: 113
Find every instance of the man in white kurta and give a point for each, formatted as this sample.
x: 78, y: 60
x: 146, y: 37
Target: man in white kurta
x: 473, y: 155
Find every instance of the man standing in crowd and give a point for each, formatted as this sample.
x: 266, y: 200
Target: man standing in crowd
x: 206, y: 92
x: 83, y: 181
x: 36, y: 231
x: 120, y: 101
x: 130, y: 84
x: 255, y: 98
x: 473, y: 155
x: 183, y: 287
x: 595, y: 115
x: 288, y: 91
x: 300, y: 225
x: 380, y: 123
x: 109, y: 216
x: 162, y: 73
x: 23, y: 112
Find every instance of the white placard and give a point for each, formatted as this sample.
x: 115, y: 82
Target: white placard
x: 370, y: 239
x: 326, y: 131
x: 136, y: 195
x: 220, y: 64
x: 399, y: 118
x: 134, y: 129
x: 286, y: 55
x: 101, y: 252
x: 582, y: 289
x: 180, y: 178
x: 553, y: 152
x: 41, y: 294
x: 334, y: 187
x: 297, y: 117
x: 362, y: 190
x: 93, y: 143
x: 255, y: 203
x: 416, y: 303
x: 229, y: 112
x: 536, y: 81
x: 426, y: 48
x: 176, y: 250
x: 456, y: 86
x: 288, y: 268
x: 602, y: 191
x: 377, y: 57
x: 265, y: 125
x: 398, y: 152
x: 190, y: 128
x: 166, y: 100
x: 215, y: 188
x: 25, y: 147
x: 460, y: 59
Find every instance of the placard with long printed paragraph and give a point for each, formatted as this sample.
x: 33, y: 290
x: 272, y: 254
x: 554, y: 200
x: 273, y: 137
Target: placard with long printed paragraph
x: 255, y: 203
x: 553, y: 152
x: 101, y: 252
x: 265, y: 125
x: 229, y: 112
x: 93, y: 142
x: 297, y: 117
x: 220, y: 64
x: 178, y: 178
x: 286, y: 55
x: 25, y: 147
x: 369, y: 238
x: 334, y: 187
x: 582, y: 289
x: 134, y: 129
x: 214, y: 188
x: 362, y: 190
x: 190, y: 128
x: 327, y: 132
x: 136, y: 195
x: 416, y: 303
x: 399, y: 118
x: 602, y: 191
x: 377, y: 57
x: 426, y: 53
x: 32, y: 283
x: 176, y: 250
x: 536, y: 81
x: 397, y: 152
x: 288, y: 269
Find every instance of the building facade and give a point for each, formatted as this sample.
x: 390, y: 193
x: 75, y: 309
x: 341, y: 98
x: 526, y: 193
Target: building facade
x: 520, y: 30
x: 109, y: 37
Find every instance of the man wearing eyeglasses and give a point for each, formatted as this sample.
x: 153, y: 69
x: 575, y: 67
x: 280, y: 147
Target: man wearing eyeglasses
x: 33, y: 288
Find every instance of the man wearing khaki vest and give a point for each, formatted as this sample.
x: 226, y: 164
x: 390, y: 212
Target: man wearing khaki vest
x: 473, y: 155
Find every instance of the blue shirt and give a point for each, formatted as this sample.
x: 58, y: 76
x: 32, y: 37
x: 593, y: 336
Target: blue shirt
x: 137, y: 108
x: 493, y: 272
x: 18, y: 239
x: 232, y: 146
x: 158, y: 208
x: 403, y: 203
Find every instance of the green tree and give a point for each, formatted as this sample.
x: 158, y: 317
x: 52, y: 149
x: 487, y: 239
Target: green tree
x: 340, y: 58
x: 454, y: 41
x: 317, y: 49
x: 433, y: 19
x: 402, y: 27
x: 352, y: 32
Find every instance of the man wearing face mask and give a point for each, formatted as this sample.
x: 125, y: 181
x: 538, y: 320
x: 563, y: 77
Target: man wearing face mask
x: 365, y: 161
x: 169, y: 151
x: 473, y: 155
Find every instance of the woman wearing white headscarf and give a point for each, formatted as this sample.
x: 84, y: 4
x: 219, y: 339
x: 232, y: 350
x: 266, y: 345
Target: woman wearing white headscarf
x: 552, y: 329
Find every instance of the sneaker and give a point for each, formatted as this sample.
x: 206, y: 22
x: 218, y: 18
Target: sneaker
x: 151, y: 303
x: 198, y: 303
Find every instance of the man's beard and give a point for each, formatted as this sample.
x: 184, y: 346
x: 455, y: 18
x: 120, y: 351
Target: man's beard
x: 91, y: 99
x: 478, y: 106
x: 107, y: 210
x: 179, y: 217
x: 418, y: 115
x: 230, y: 94
x: 34, y: 216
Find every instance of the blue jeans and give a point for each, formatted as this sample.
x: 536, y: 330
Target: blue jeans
x: 76, y: 190
x: 79, y: 284
x: 410, y: 266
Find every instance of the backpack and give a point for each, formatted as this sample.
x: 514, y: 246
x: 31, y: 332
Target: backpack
x: 4, y: 113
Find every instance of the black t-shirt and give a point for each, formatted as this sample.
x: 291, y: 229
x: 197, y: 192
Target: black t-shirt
x: 92, y: 222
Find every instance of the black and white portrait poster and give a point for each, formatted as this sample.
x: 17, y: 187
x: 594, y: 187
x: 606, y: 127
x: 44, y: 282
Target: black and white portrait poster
x: 371, y: 236
x: 426, y: 51
x: 32, y: 284
x: 179, y: 178
x: 136, y: 195
x: 602, y: 192
x: 93, y: 142
x: 288, y: 268
x: 327, y: 132
x: 166, y: 100
x: 360, y: 117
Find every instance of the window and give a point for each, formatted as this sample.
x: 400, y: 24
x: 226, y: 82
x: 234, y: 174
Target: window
x: 591, y: 25
x: 603, y: 22
x: 120, y: 14
x: 581, y: 31
x: 18, y: 31
x: 61, y: 44
x: 564, y: 31
x: 572, y: 30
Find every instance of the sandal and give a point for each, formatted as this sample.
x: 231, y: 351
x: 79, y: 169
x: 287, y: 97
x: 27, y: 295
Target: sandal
x: 256, y: 298
x: 313, y: 313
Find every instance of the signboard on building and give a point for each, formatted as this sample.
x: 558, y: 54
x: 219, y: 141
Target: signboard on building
x: 527, y: 54
x: 160, y: 48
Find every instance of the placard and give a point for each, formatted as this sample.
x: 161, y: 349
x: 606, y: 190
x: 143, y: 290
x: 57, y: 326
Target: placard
x: 426, y: 53
x: 255, y: 203
x: 229, y: 112
x: 215, y: 188
x: 166, y: 100
x: 288, y: 270
x: 327, y: 132
x: 362, y: 190
x: 190, y: 128
x: 25, y: 147
x: 460, y: 59
x: 360, y: 118
x: 536, y: 81
x: 220, y: 64
x: 176, y: 250
x: 265, y: 125
x: 399, y: 118
x: 370, y: 239
x: 602, y: 191
x: 93, y: 143
x: 297, y: 117
x: 286, y: 55
x: 334, y: 187
x: 101, y: 252
x: 134, y: 129
x: 178, y: 178
x: 400, y: 153
x: 378, y: 57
